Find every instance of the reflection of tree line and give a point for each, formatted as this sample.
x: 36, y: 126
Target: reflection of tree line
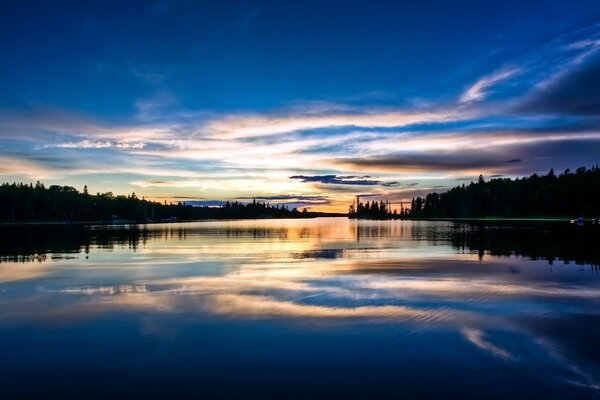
x: 372, y: 231
x: 567, y: 243
x: 19, y: 243
x: 33, y: 243
x: 549, y: 241
x: 386, y: 229
x: 546, y: 241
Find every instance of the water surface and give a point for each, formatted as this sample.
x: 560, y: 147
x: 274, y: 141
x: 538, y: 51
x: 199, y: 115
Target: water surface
x: 309, y: 308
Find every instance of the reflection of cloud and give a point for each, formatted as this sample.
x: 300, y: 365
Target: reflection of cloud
x: 261, y: 306
x: 476, y: 337
x: 275, y: 289
x: 309, y: 272
x: 480, y: 289
x: 25, y: 271
x: 583, y: 378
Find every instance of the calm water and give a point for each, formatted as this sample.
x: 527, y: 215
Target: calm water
x: 320, y: 308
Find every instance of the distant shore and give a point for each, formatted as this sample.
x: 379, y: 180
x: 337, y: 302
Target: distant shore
x: 487, y: 219
x: 492, y: 219
x: 133, y: 222
x: 323, y: 215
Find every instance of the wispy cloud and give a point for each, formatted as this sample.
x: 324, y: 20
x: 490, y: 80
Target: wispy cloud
x: 294, y: 197
x: 573, y: 91
x: 261, y: 125
x: 352, y: 180
x: 96, y: 144
x: 538, y: 111
x: 452, y: 162
x: 480, y: 89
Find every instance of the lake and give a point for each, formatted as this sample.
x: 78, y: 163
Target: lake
x: 303, y: 308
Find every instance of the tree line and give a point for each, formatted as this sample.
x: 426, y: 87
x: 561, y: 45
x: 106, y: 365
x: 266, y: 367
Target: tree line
x: 372, y: 210
x: 20, y: 202
x: 569, y: 194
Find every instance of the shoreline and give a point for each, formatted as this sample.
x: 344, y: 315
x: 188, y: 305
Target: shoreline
x: 133, y: 222
x: 498, y: 219
x: 325, y: 215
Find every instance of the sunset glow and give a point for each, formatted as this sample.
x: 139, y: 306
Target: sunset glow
x: 234, y: 113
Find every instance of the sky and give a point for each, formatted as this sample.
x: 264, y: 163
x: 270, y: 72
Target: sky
x: 305, y: 103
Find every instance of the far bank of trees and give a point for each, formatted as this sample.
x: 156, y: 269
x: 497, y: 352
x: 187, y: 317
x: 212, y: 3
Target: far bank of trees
x: 372, y: 210
x: 21, y: 202
x: 569, y: 194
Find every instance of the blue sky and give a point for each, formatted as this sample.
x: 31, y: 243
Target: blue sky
x: 306, y: 103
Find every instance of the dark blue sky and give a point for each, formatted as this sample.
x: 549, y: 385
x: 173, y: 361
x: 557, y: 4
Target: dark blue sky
x: 225, y: 55
x: 81, y: 79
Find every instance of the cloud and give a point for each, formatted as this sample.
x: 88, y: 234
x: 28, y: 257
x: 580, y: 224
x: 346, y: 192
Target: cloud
x: 354, y: 180
x: 204, y: 203
x: 295, y: 197
x: 97, y: 144
x: 264, y: 125
x: 574, y: 91
x: 419, y: 162
x: 322, y: 152
x: 481, y: 88
x: 337, y: 180
x: 149, y: 108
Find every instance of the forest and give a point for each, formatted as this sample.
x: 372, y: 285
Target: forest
x: 20, y: 202
x: 570, y: 194
x: 372, y: 210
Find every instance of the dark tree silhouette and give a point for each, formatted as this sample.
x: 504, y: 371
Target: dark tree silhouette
x: 372, y: 210
x: 566, y: 195
x: 21, y: 202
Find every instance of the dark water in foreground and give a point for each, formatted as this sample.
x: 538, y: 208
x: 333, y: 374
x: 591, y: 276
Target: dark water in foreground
x: 322, y: 308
